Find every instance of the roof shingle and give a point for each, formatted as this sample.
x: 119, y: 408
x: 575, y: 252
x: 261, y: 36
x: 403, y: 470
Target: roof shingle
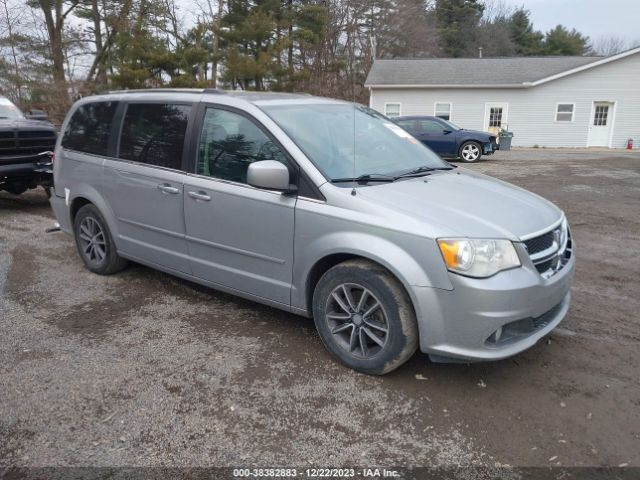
x: 470, y: 71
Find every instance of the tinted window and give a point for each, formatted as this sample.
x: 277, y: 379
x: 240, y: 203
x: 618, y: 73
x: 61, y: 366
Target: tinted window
x: 406, y: 124
x: 429, y: 126
x: 89, y: 128
x: 229, y: 143
x: 154, y: 134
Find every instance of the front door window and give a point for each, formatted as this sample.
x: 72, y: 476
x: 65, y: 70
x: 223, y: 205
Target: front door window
x: 495, y: 117
x: 600, y: 116
x: 230, y: 143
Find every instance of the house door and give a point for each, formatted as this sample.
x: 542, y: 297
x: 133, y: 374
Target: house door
x: 495, y: 117
x: 600, y: 125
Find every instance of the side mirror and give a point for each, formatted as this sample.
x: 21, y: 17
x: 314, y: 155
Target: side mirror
x: 271, y: 175
x: 446, y: 131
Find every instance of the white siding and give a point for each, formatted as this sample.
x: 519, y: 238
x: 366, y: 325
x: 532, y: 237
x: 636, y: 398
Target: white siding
x: 532, y: 111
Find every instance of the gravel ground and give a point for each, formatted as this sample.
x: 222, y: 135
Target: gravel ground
x: 143, y: 369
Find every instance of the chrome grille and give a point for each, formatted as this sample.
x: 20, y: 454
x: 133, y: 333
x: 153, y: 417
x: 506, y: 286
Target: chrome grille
x: 550, y: 251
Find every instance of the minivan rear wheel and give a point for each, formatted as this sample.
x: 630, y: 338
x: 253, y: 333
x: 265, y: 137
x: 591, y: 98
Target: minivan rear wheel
x: 95, y: 243
x: 470, y: 152
x: 364, y: 317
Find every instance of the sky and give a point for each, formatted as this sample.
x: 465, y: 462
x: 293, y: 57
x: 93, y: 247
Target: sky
x: 594, y: 18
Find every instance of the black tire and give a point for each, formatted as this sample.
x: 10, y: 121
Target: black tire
x: 101, y: 256
x: 396, y: 313
x: 16, y: 188
x: 470, y: 152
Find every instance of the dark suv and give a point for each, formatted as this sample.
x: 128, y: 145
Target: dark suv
x: 24, y: 147
x: 449, y: 140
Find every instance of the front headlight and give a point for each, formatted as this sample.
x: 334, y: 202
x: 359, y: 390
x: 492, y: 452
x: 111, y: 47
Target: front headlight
x: 564, y: 233
x: 478, y: 258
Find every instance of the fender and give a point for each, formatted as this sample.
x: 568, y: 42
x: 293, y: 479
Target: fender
x: 90, y: 193
x: 390, y: 253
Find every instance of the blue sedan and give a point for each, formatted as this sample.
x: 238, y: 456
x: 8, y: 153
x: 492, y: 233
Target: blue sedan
x: 447, y: 139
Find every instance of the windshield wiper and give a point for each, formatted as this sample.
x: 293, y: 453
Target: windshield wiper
x: 421, y: 171
x: 369, y: 177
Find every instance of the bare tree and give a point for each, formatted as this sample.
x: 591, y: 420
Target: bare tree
x: 610, y: 45
x: 211, y: 13
x: 11, y: 16
x: 55, y: 14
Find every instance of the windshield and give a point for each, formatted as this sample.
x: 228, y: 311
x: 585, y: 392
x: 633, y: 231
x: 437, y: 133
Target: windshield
x: 451, y: 125
x: 8, y: 110
x: 347, y: 141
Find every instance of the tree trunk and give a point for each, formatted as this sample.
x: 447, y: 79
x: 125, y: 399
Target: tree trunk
x: 14, y: 55
x: 217, y: 21
x: 101, y: 75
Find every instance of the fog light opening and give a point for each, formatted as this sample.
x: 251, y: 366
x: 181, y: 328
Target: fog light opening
x: 497, y: 334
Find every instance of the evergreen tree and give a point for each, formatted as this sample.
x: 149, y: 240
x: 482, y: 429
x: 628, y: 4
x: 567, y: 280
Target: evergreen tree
x: 457, y: 25
x: 561, y: 41
x: 527, y: 41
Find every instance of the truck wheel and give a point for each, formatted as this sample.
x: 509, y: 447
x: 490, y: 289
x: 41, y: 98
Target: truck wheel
x: 470, y: 152
x: 95, y: 243
x: 16, y: 188
x: 364, y: 317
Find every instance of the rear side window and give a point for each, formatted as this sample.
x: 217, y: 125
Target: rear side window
x: 154, y: 134
x: 89, y: 128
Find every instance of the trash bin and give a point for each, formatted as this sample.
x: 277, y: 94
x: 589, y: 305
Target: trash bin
x: 505, y: 140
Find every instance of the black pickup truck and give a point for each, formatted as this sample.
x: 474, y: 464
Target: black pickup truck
x: 25, y: 150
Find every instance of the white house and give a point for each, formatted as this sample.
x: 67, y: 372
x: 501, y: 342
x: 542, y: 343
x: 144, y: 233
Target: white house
x: 545, y: 101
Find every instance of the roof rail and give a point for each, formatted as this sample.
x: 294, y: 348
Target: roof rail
x: 170, y: 90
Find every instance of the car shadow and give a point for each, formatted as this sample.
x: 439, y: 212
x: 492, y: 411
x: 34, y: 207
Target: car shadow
x: 28, y: 201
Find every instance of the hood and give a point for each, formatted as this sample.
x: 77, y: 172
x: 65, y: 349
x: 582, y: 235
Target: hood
x: 476, y: 133
x: 466, y: 204
x: 26, y: 124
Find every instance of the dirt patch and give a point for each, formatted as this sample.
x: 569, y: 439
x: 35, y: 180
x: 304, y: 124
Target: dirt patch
x: 141, y: 368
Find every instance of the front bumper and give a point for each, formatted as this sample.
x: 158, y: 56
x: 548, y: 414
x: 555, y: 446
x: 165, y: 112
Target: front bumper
x: 37, y: 170
x: 461, y: 324
x: 488, y: 148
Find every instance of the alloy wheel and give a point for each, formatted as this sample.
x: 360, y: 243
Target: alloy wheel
x: 92, y: 240
x: 357, y: 320
x: 470, y: 152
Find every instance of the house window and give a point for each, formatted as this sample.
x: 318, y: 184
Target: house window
x: 443, y: 110
x: 495, y: 117
x: 392, y: 110
x: 564, y: 112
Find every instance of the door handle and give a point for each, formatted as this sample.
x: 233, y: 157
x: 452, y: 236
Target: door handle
x: 166, y: 188
x: 199, y: 196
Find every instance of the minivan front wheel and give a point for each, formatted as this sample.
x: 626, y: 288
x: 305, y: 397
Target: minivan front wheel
x: 95, y: 243
x: 364, y: 317
x: 470, y: 152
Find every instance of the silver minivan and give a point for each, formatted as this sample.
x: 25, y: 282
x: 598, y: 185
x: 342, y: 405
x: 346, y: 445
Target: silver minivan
x: 319, y: 207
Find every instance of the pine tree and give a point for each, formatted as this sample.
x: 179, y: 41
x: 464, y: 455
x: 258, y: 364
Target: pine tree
x: 527, y: 41
x: 457, y: 25
x: 561, y: 41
